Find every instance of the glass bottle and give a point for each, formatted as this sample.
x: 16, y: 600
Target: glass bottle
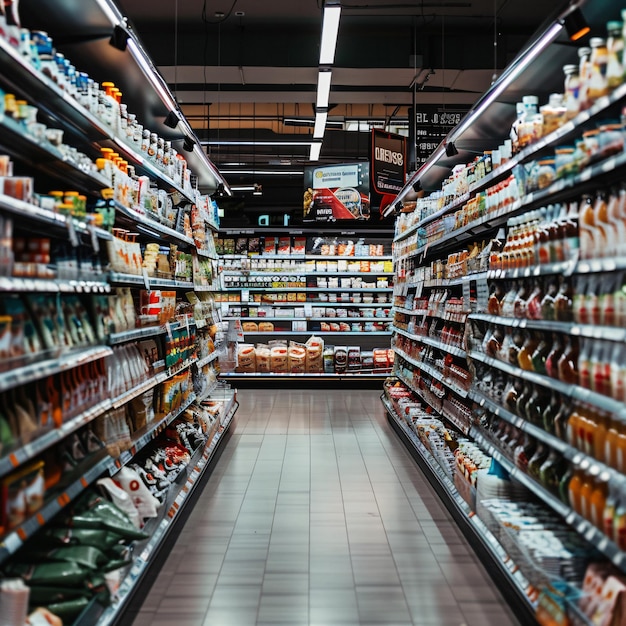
x: 550, y: 412
x: 584, y: 73
x: 571, y: 90
x: 598, y: 500
x: 552, y: 360
x: 537, y: 460
x: 598, y: 85
x: 551, y: 472
x: 568, y: 363
x: 561, y: 420
x: 615, y: 52
x: 563, y: 303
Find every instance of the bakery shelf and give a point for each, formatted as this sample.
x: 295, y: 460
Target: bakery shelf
x: 52, y: 285
x: 146, y: 435
x: 591, y: 331
x: 307, y: 375
x: 575, y: 392
x: 473, y: 527
x: 42, y: 366
x: 160, y: 528
x: 12, y: 459
x: 117, y: 278
x: 583, y: 527
x: 315, y: 289
x: 431, y: 371
x: 369, y: 333
x: 430, y: 341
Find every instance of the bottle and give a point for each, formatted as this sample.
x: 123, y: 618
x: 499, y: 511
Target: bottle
x: 615, y: 53
x: 598, y: 500
x: 550, y: 412
x: 551, y: 472
x: 571, y: 91
x: 524, y: 451
x: 524, y: 357
x: 618, y: 372
x: 568, y: 363
x: 537, y: 460
x: 553, y: 114
x: 608, y: 515
x: 552, y: 360
x: 586, y: 489
x: 520, y: 112
x: 575, y: 485
x: 563, y: 303
x: 598, y: 85
x: 561, y: 420
x: 584, y: 73
x: 584, y: 364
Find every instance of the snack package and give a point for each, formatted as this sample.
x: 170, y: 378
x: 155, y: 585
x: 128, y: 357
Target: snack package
x: 315, y: 355
x: 284, y: 245
x: 246, y: 358
x: 250, y: 327
x: 297, y: 357
x: 266, y: 327
x: 270, y: 245
x: 354, y: 358
x: 329, y: 359
x: 341, y: 359
x: 262, y: 358
x: 279, y: 357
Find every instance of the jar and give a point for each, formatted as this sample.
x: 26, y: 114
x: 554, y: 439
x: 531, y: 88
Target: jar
x: 145, y: 141
x: 545, y: 173
x: 554, y: 114
x: 584, y: 73
x: 610, y: 139
x: 153, y: 145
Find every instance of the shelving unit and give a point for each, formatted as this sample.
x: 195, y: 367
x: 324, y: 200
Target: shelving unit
x: 83, y: 355
x: 448, y: 279
x: 267, y: 283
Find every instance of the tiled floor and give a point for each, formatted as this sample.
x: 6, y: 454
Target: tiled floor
x: 316, y: 514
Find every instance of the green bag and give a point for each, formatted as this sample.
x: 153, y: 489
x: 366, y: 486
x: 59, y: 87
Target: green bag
x: 43, y: 595
x: 52, y: 574
x: 69, y: 610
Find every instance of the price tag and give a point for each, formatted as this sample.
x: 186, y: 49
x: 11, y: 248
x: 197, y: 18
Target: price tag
x: 482, y: 294
x: 146, y: 279
x: 466, y: 294
x: 71, y: 229
x: 95, y: 242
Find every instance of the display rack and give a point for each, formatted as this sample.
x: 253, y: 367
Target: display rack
x: 456, y: 277
x: 89, y: 349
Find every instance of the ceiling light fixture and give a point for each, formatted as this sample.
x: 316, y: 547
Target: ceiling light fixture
x: 576, y: 25
x: 172, y: 119
x: 451, y: 149
x: 320, y: 124
x: 323, y: 88
x: 239, y: 172
x: 330, y: 29
x: 119, y: 38
x: 316, y: 148
x: 245, y: 142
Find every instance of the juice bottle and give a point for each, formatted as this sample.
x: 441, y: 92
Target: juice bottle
x: 598, y: 500
x: 550, y: 412
x: 601, y: 423
x: 579, y: 300
x: 618, y: 371
x: 563, y: 302
x: 564, y: 485
x: 607, y: 300
x: 573, y: 430
x: 551, y: 471
x: 587, y: 227
x: 524, y: 357
x: 603, y: 222
x: 571, y: 90
x: 584, y: 364
x: 598, y: 85
x: 620, y: 448
x: 608, y: 516
x: 614, y: 227
x: 575, y: 485
x: 610, y: 444
x: 552, y: 360
x: 615, y: 52
x: 586, y: 489
x: 540, y: 355
x: 619, y: 534
x: 561, y: 420
x: 537, y: 460
x: 619, y: 300
x: 584, y: 73
x: 568, y: 363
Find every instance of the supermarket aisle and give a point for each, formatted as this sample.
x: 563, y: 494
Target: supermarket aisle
x: 316, y: 514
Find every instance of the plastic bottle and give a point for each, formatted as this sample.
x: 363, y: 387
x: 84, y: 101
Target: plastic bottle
x: 553, y: 114
x: 598, y: 500
x: 586, y: 489
x: 584, y: 73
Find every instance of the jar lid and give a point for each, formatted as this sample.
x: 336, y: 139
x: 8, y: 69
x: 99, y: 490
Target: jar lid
x: 570, y: 69
x: 597, y: 42
x: 614, y: 25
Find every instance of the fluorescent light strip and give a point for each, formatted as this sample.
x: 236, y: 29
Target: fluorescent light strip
x: 316, y: 148
x: 330, y: 28
x: 110, y: 12
x: 323, y: 88
x: 228, y: 142
x: 320, y: 124
x: 227, y: 172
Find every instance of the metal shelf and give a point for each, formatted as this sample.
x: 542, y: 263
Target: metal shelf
x: 451, y: 282
x: 431, y: 371
x: 463, y: 514
x: 572, y: 391
x: 10, y: 284
x: 304, y: 257
x: 370, y: 333
x: 117, y: 278
x: 42, y: 366
x: 315, y: 289
x: 207, y: 359
x: 606, y: 333
x: 307, y: 375
x: 430, y: 341
x: 137, y: 334
x: 584, y: 528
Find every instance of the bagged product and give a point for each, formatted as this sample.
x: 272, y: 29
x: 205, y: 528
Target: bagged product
x: 145, y: 503
x: 315, y: 355
x: 329, y: 359
x: 296, y: 358
x: 279, y: 357
x: 380, y: 359
x: 262, y: 358
x: 246, y: 358
x: 354, y: 358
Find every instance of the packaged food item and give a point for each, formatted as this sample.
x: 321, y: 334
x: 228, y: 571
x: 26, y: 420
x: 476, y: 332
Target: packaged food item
x: 297, y: 358
x: 329, y: 359
x: 262, y: 358
x: 279, y: 357
x: 341, y: 359
x: 354, y: 358
x: 246, y: 358
x: 314, y: 355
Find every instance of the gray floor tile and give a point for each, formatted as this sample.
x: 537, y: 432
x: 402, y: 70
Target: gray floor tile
x: 317, y: 515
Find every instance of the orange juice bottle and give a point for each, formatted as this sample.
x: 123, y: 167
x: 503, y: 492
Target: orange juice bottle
x: 575, y: 485
x: 600, y: 422
x: 620, y: 456
x: 610, y: 445
x: 598, y: 500
x: 608, y: 517
x: 586, y: 490
x: 572, y: 429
